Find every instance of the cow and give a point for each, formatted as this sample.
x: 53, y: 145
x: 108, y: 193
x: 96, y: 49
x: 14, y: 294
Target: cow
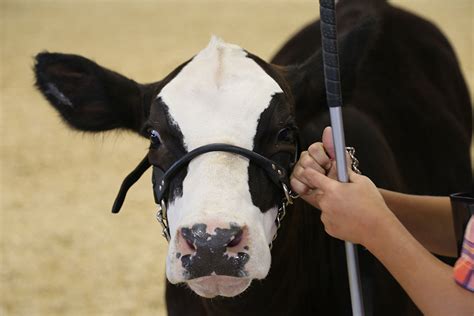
x: 225, y: 128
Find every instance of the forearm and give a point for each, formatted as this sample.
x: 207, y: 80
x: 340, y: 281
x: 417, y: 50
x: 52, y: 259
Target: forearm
x: 428, y: 281
x: 429, y: 219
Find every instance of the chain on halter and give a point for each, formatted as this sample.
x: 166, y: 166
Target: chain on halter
x: 354, y: 161
x: 161, y: 216
x: 288, y: 199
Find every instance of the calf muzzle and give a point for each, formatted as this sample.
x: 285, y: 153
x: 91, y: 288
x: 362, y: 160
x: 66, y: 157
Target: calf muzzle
x: 221, y: 252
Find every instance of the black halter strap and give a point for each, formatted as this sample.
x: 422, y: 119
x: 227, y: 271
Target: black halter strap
x: 161, y: 179
x: 128, y: 182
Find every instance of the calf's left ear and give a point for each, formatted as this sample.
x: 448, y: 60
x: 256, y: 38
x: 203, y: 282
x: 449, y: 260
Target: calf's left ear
x: 90, y: 97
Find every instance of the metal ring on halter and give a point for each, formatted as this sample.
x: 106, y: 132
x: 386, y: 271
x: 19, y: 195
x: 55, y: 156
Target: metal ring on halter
x: 280, y: 215
x: 288, y: 198
x: 289, y: 195
x: 293, y: 195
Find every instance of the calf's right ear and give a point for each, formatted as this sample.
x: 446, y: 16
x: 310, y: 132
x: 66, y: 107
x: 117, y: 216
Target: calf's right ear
x: 90, y: 97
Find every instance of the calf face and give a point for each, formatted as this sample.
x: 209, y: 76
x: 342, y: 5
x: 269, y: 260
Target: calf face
x: 221, y: 208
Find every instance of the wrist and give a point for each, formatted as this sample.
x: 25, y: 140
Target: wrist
x: 376, y: 235
x: 386, y: 196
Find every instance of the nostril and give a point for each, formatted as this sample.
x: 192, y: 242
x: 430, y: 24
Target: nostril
x: 236, y: 240
x: 190, y: 244
x: 187, y: 237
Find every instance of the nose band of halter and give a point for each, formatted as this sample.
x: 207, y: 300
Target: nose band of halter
x: 161, y: 180
x: 276, y: 173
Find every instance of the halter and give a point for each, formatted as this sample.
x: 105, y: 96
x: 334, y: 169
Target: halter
x: 277, y: 174
x: 161, y: 180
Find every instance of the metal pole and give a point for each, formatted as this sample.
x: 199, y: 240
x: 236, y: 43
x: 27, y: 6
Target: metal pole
x: 351, y: 249
x: 334, y: 100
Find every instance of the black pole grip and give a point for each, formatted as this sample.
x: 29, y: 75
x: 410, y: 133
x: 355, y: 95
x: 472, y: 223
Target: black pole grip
x: 330, y: 55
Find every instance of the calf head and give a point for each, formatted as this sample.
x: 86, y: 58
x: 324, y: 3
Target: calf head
x: 221, y: 207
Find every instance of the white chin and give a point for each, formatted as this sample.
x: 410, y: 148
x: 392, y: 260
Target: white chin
x: 211, y: 286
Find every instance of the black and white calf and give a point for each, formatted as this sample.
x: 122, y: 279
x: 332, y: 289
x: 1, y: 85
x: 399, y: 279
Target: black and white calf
x: 403, y: 87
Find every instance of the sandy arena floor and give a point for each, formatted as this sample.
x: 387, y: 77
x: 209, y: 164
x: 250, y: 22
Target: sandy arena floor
x: 62, y: 251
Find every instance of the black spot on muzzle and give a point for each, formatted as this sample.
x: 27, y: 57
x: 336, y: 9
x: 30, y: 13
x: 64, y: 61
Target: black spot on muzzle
x: 210, y: 253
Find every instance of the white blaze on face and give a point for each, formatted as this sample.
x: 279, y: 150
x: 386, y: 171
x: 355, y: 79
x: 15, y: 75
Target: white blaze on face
x: 218, y: 97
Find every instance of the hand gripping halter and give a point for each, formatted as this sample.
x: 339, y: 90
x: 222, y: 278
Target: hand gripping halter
x: 161, y: 180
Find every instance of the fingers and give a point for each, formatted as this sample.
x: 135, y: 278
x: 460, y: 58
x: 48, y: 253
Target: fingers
x: 319, y: 157
x: 316, y: 159
x: 313, y: 197
x: 333, y: 171
x: 307, y: 181
x: 328, y: 142
x: 318, y: 180
x: 307, y: 193
x: 298, y: 181
x: 308, y: 161
x: 329, y: 147
x: 298, y: 186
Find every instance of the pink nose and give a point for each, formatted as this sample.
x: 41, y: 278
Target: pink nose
x: 216, y: 251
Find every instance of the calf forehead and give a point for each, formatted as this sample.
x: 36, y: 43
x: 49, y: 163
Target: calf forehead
x: 219, y: 96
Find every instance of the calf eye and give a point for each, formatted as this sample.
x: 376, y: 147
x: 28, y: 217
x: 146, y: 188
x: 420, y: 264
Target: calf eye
x: 286, y: 135
x: 155, y: 139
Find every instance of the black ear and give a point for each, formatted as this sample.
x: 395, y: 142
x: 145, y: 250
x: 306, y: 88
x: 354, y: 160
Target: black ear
x: 90, y: 97
x: 307, y: 80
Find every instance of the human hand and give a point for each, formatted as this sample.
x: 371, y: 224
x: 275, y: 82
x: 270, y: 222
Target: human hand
x: 320, y: 156
x: 349, y: 211
x: 352, y: 211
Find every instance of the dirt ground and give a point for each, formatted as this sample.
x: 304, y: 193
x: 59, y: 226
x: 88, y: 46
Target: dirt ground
x: 62, y: 251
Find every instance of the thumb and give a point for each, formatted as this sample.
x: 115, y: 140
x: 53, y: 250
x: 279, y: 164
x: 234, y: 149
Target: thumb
x: 328, y: 142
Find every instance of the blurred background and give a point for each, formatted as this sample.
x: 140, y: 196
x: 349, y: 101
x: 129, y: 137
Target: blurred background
x: 62, y: 251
